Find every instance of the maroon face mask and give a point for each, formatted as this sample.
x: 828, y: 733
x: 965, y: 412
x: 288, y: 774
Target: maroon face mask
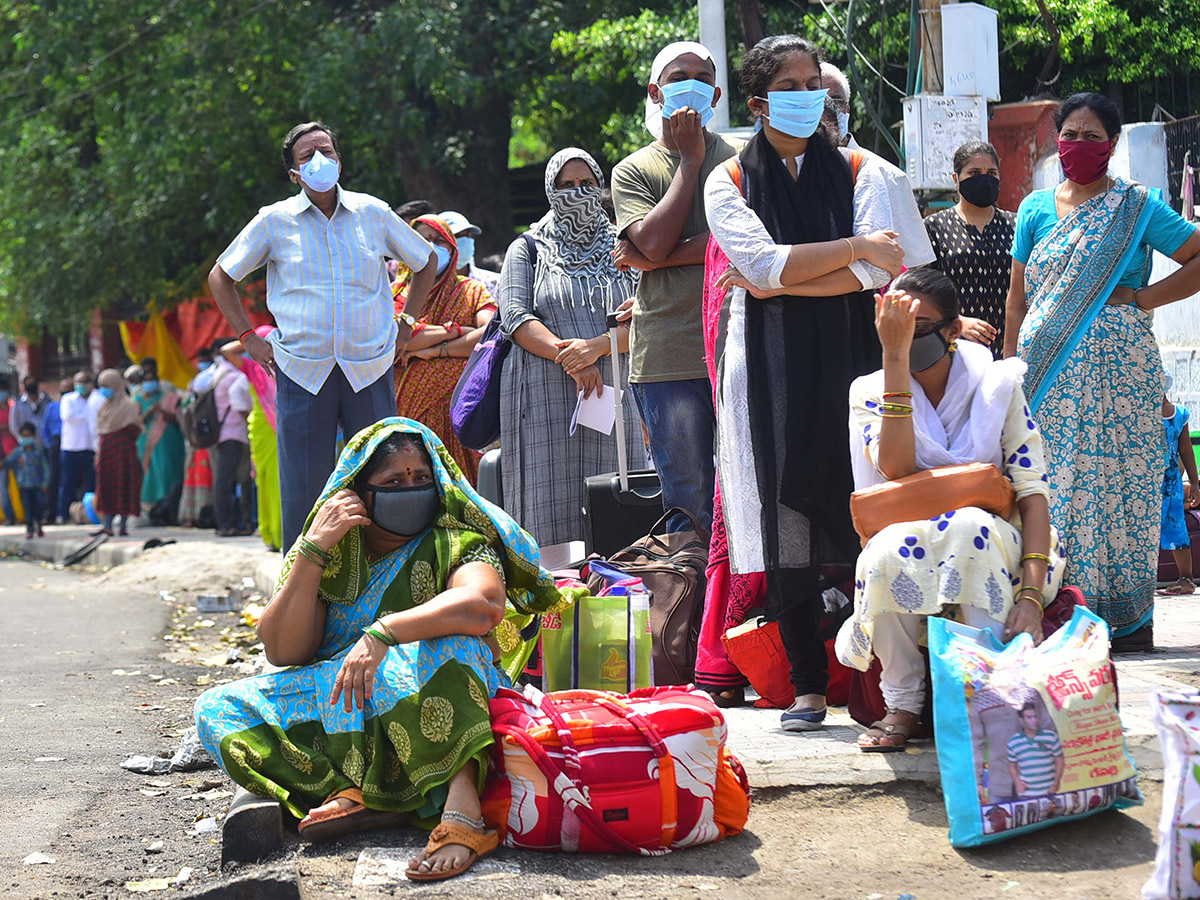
x: 1084, y: 161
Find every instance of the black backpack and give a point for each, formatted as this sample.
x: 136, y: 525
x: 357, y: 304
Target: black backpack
x: 199, y: 419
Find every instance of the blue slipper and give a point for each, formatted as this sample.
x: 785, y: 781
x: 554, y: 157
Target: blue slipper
x: 806, y: 719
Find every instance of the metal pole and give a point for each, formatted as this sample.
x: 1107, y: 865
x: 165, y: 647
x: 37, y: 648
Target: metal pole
x: 712, y: 36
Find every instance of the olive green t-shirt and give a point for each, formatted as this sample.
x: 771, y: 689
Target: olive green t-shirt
x: 666, y: 338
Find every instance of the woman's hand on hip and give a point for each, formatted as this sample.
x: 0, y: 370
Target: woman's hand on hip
x: 336, y: 517
x: 978, y: 331
x: 895, y: 320
x: 1025, y: 617
x: 881, y: 249
x: 588, y: 380
x: 576, y: 354
x: 356, y: 678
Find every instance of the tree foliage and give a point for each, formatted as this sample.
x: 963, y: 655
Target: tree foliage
x: 137, y: 137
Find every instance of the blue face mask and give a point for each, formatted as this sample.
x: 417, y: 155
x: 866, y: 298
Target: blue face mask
x: 202, y: 365
x: 105, y: 392
x: 443, y: 257
x: 320, y: 173
x: 83, y: 389
x: 693, y: 94
x: 26, y: 440
x: 150, y: 386
x: 466, y: 250
x: 796, y: 113
x: 3, y: 396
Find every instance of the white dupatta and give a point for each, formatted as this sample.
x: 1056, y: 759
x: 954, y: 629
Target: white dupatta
x: 964, y: 428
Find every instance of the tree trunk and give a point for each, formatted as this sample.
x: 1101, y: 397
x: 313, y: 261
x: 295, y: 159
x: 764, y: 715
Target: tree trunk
x: 750, y: 14
x: 478, y: 184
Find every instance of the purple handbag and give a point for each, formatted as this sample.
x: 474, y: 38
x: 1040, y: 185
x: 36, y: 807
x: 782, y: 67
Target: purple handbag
x: 475, y: 404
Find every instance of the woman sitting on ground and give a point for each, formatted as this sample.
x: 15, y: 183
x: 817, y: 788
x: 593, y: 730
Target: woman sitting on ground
x: 939, y: 401
x: 385, y: 612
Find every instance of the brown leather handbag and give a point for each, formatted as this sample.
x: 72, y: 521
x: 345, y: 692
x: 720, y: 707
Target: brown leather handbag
x: 928, y: 494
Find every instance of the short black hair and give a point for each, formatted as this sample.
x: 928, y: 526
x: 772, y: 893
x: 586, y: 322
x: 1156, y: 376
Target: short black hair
x: 972, y: 149
x: 1110, y: 116
x: 149, y: 363
x: 1029, y: 704
x: 393, y: 443
x: 27, y: 428
x: 927, y: 283
x: 289, y: 142
x: 204, y: 354
x: 414, y: 208
x: 765, y: 58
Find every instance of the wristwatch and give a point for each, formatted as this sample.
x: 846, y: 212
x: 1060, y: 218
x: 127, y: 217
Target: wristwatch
x: 407, y: 320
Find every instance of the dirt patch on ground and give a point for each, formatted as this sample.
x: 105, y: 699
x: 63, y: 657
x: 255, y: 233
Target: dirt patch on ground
x: 186, y: 570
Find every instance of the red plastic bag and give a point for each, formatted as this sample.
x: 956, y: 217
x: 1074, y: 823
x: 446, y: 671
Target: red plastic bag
x: 758, y: 653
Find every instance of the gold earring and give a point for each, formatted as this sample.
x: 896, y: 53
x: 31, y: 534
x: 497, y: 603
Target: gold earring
x: 954, y: 346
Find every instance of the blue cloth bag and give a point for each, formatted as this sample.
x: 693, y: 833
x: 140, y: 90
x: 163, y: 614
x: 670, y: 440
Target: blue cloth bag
x: 1027, y: 737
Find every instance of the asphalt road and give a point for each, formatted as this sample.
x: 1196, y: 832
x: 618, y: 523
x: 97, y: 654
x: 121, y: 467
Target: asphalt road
x: 66, y: 722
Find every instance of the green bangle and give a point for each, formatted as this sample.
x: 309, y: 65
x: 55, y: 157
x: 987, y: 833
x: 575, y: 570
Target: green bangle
x: 372, y: 631
x: 382, y: 624
x: 313, y: 558
x: 314, y: 548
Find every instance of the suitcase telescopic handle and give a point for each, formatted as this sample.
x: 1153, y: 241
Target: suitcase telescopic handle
x: 615, y: 356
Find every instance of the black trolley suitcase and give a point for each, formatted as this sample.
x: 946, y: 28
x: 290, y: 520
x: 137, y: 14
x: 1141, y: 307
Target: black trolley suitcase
x: 619, y: 507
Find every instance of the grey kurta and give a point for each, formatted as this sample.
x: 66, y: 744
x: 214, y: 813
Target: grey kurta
x: 544, y: 468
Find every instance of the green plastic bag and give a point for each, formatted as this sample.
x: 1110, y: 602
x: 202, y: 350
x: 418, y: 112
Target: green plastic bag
x: 590, y: 645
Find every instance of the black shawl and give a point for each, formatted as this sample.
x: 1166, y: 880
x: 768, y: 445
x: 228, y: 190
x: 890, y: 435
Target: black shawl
x: 829, y: 341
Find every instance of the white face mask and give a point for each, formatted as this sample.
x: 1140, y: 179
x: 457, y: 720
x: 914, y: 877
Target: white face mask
x: 320, y: 173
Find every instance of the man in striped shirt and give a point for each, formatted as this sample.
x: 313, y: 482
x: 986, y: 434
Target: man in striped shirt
x: 337, y: 334
x: 1035, y: 757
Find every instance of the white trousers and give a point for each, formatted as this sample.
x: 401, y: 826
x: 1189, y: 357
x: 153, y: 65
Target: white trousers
x: 896, y: 639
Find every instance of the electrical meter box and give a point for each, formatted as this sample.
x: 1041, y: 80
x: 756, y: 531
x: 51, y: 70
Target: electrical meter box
x: 970, y: 51
x: 934, y: 127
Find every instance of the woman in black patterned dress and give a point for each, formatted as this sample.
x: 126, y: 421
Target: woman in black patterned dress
x: 973, y: 240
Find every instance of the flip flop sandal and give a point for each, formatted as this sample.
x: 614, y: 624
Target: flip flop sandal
x: 1181, y: 588
x: 446, y: 834
x: 887, y: 731
x: 325, y: 825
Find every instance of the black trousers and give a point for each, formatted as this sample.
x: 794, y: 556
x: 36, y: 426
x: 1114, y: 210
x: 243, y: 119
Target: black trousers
x: 231, y: 470
x: 31, y: 499
x: 794, y: 601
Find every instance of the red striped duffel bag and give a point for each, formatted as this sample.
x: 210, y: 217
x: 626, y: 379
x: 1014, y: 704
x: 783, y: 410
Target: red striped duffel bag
x: 598, y: 772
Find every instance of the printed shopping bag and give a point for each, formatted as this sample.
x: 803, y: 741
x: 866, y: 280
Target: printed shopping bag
x: 1026, y: 736
x: 601, y: 643
x: 1176, y: 872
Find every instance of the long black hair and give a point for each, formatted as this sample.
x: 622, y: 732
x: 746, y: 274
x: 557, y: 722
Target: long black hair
x: 928, y: 283
x: 764, y: 60
x: 393, y: 443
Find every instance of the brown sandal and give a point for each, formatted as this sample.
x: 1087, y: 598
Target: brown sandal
x: 446, y: 834
x: 1182, y: 587
x: 888, y: 731
x: 321, y: 826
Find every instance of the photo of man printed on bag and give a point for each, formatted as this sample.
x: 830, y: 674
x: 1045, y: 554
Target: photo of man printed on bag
x: 1035, y: 756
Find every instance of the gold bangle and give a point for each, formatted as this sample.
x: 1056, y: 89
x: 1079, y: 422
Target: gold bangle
x: 382, y: 624
x: 1028, y: 556
x: 907, y: 415
x: 851, y: 246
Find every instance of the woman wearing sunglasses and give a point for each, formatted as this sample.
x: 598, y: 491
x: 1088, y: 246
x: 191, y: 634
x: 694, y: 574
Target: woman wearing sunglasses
x: 939, y: 401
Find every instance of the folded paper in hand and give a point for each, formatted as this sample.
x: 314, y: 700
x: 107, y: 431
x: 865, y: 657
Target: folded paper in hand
x: 596, y: 412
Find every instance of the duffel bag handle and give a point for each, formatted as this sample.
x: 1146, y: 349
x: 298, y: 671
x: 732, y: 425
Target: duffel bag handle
x: 667, y: 785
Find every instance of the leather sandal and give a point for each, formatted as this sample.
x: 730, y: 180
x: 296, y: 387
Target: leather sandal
x: 888, y: 731
x: 447, y: 834
x: 321, y: 826
x: 1181, y: 587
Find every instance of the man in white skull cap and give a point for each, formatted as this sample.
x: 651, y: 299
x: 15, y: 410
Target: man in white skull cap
x: 662, y: 230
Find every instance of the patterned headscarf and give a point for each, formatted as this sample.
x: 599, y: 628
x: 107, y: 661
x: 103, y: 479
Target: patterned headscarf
x: 575, y: 239
x: 530, y: 588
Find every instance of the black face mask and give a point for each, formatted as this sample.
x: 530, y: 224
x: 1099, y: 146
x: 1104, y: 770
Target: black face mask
x: 404, y: 511
x: 980, y: 190
x: 927, y: 349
